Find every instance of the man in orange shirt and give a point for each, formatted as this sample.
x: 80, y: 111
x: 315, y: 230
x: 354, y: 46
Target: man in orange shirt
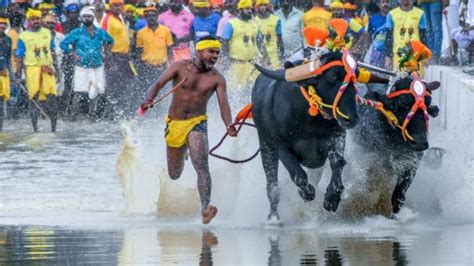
x: 154, y: 47
x: 119, y: 73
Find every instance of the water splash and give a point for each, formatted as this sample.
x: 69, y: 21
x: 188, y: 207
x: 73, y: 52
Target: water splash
x: 139, y: 183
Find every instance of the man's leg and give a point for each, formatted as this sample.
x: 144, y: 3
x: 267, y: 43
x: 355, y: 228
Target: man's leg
x: 175, y: 161
x: 34, y: 113
x: 198, y: 150
x: 51, y: 109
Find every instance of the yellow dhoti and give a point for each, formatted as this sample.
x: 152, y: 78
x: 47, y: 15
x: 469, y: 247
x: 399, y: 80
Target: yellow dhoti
x: 5, y: 85
x: 40, y: 81
x: 177, y: 131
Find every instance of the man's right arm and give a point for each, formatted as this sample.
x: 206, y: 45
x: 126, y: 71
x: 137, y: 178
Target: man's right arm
x: 65, y: 45
x: 169, y: 74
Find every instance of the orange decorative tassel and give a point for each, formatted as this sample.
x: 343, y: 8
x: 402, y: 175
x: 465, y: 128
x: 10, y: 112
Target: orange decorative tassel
x: 313, y: 110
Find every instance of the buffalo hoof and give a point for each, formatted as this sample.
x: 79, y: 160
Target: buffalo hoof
x: 307, y: 193
x: 332, y: 198
x: 273, y: 220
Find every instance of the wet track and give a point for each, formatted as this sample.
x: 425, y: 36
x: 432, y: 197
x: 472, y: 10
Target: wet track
x: 64, y: 201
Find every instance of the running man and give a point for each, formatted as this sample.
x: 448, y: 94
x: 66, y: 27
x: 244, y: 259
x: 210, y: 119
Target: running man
x: 187, y: 119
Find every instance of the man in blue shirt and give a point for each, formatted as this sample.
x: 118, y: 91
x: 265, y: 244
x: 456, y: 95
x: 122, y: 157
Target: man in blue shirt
x: 205, y: 23
x: 377, y: 32
x: 86, y: 45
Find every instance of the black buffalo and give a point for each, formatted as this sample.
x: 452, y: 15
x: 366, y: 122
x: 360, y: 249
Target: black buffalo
x: 288, y: 133
x: 398, y: 157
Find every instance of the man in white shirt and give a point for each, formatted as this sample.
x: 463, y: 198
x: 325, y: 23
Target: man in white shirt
x: 463, y: 35
x: 291, y: 23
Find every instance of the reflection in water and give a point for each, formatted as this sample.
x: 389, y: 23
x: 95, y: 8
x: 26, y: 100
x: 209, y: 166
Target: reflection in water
x: 274, y: 258
x: 399, y: 255
x: 154, y: 246
x: 209, y: 240
x: 187, y: 247
x: 332, y: 256
x: 308, y: 259
x: 47, y: 246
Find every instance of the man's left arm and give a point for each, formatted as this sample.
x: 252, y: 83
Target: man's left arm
x: 226, y: 115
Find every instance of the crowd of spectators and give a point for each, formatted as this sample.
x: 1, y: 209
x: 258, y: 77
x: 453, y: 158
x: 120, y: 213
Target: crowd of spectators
x: 66, y: 59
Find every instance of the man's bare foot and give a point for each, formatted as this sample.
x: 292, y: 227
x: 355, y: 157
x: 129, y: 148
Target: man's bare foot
x: 208, y: 214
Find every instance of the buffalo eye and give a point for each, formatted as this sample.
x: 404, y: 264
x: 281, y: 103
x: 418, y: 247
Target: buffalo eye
x: 331, y: 76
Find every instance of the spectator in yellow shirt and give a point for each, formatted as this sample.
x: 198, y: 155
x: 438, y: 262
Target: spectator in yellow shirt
x: 345, y: 32
x: 154, y: 47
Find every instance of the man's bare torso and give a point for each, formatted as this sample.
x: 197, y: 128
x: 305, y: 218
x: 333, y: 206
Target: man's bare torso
x: 190, y: 99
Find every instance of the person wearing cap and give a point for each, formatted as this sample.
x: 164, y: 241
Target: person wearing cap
x: 269, y: 27
x: 45, y: 8
x: 87, y: 46
x: 179, y: 21
x: 130, y: 21
x: 119, y: 70
x: 317, y: 17
x: 291, y: 27
x: 350, y: 12
x: 187, y: 119
x: 343, y: 32
x: 205, y: 23
x: 241, y: 47
x: 5, y: 65
x: 217, y: 6
x: 35, y: 54
x: 72, y: 18
x: 154, y: 44
x: 404, y: 23
x: 49, y: 22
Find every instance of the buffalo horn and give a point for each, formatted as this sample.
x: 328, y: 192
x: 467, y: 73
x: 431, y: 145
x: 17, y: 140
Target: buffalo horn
x: 274, y: 74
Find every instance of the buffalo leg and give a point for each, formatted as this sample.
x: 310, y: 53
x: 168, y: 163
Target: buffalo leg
x: 270, y: 166
x: 335, y: 187
x: 297, y: 174
x: 403, y: 183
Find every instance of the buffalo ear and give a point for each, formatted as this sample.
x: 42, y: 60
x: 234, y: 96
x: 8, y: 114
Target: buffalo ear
x: 331, y: 76
x: 431, y: 86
